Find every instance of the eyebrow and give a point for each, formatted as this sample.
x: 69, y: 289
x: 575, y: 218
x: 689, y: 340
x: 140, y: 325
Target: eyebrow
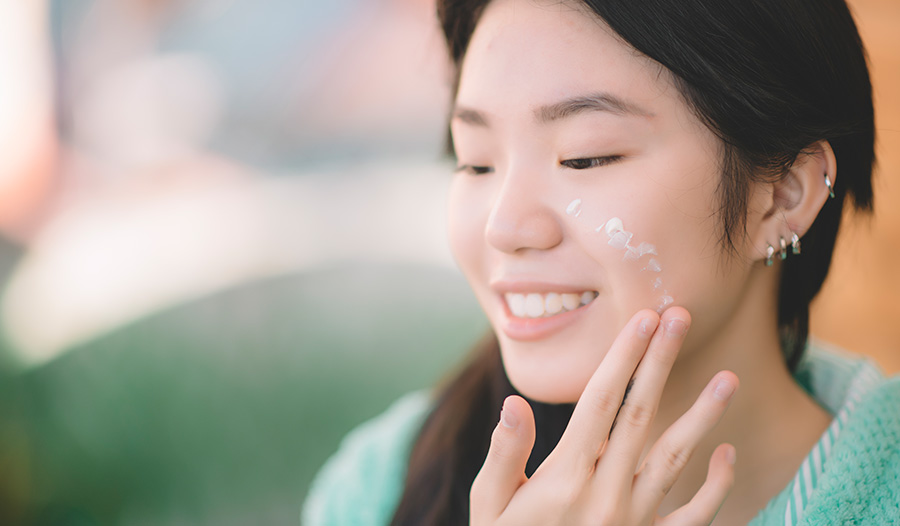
x: 597, y: 102
x: 470, y: 116
x: 604, y: 102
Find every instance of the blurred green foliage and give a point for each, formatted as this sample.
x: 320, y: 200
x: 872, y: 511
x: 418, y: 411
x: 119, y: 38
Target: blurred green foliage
x: 220, y: 411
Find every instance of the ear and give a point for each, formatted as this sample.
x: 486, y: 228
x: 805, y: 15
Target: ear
x: 792, y: 203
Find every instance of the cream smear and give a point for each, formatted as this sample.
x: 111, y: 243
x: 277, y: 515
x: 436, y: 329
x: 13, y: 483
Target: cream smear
x: 621, y: 239
x: 574, y: 208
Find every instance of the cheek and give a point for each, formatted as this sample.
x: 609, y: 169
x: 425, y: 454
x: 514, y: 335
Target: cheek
x: 623, y: 238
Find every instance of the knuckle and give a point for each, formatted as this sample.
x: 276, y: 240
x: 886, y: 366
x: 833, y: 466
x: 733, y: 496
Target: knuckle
x: 635, y: 414
x: 674, y: 457
x: 582, y: 467
x: 662, y: 358
x: 605, y: 402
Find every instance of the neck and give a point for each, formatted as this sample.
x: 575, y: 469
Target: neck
x: 772, y: 422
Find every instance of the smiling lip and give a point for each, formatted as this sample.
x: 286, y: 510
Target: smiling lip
x: 533, y: 329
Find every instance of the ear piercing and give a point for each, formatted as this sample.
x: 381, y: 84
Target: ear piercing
x: 795, y: 239
x: 782, y: 253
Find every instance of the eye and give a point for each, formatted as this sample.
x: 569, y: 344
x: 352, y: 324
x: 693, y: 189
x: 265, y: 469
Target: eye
x: 474, y: 170
x: 590, y: 162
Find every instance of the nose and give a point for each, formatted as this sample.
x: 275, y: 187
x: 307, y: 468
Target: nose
x: 521, y: 217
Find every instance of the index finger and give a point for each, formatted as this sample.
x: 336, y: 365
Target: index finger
x: 589, y: 427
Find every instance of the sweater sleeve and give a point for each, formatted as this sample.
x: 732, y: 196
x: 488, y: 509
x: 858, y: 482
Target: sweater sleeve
x: 362, y: 483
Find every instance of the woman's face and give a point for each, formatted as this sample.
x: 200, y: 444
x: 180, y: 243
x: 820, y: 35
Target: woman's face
x: 587, y: 191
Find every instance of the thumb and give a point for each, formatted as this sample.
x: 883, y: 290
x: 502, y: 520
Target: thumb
x: 503, y: 471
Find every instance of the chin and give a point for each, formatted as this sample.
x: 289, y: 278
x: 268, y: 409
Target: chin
x: 551, y: 380
x: 548, y: 390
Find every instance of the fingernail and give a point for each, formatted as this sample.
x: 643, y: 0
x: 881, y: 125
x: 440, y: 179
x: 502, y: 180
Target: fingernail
x: 724, y: 389
x: 647, y: 326
x: 731, y: 455
x: 507, y: 418
x: 676, y: 327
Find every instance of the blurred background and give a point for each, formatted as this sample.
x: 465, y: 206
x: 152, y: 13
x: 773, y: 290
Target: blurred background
x: 222, y: 247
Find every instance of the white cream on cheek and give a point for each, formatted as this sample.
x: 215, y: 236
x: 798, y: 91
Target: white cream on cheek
x: 574, y: 208
x: 622, y: 239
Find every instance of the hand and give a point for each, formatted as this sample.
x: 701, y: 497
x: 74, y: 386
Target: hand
x: 592, y: 477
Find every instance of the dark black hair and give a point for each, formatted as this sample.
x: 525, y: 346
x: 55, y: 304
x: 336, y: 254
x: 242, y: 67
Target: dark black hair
x: 770, y: 78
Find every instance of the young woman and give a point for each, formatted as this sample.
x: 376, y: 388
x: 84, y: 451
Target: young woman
x: 647, y: 200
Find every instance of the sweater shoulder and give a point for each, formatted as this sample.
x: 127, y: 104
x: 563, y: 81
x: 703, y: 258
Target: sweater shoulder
x: 362, y: 482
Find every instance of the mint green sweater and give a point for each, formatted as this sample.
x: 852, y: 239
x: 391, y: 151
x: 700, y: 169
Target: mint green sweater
x: 851, y: 476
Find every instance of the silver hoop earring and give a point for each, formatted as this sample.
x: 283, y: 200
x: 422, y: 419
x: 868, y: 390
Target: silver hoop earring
x: 830, y: 187
x: 795, y: 244
x: 770, y: 255
x: 783, y: 252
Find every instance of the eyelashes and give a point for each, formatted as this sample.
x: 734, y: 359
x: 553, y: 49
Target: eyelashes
x: 590, y: 162
x: 474, y: 170
x: 584, y: 163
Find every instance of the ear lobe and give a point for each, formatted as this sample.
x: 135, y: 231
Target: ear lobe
x: 798, y: 197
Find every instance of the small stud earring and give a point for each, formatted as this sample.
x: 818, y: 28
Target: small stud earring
x: 783, y: 252
x: 830, y: 187
x: 770, y: 255
x: 795, y: 243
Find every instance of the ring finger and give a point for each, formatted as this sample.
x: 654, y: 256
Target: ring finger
x: 672, y: 451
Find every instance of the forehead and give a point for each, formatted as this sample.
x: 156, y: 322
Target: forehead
x: 525, y: 53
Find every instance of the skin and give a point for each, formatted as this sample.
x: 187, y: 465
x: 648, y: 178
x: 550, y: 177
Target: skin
x: 648, y: 160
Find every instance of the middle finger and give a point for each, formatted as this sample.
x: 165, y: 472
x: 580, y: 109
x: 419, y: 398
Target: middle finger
x: 588, y: 429
x: 632, y: 425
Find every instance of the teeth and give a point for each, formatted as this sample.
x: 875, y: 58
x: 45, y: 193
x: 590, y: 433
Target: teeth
x: 553, y: 303
x: 534, y: 305
x: 516, y: 304
x: 571, y: 301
